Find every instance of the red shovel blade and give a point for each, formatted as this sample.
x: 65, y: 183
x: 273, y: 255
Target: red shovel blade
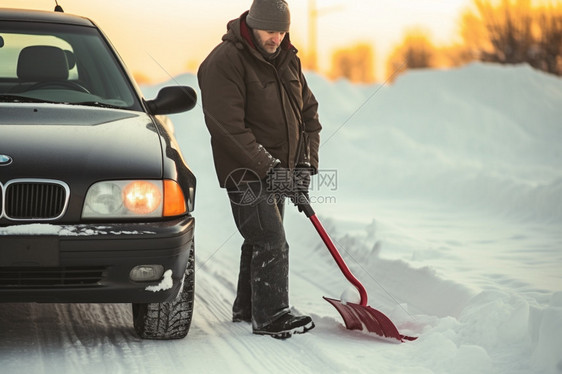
x: 355, y: 316
x: 359, y: 317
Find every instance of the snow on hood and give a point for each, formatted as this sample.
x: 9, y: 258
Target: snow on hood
x: 66, y: 230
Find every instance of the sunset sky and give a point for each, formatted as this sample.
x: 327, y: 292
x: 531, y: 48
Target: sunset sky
x: 159, y: 38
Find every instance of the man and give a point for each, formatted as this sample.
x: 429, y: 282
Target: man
x: 264, y: 129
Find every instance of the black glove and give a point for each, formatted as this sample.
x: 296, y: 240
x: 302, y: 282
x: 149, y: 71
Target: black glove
x: 301, y: 184
x: 301, y: 178
x: 279, y: 180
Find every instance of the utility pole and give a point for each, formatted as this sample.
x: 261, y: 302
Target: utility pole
x: 313, y: 14
x: 312, y: 35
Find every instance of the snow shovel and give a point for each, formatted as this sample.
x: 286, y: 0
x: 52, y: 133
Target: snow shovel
x: 356, y: 316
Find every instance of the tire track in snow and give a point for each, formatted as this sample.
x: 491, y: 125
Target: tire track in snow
x: 98, y: 331
x: 43, y: 338
x: 50, y: 338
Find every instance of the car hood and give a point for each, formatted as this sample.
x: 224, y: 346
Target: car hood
x: 76, y: 143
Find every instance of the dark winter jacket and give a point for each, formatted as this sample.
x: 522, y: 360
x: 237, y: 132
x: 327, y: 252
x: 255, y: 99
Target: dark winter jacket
x: 253, y: 108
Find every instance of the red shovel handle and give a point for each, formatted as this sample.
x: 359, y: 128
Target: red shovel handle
x: 304, y: 205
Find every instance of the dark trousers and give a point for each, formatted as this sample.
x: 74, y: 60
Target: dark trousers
x: 263, y: 280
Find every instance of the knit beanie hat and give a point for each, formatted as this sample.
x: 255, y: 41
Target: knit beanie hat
x: 269, y: 15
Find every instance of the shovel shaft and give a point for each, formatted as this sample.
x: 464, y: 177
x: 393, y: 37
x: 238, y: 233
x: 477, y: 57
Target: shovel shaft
x: 339, y: 260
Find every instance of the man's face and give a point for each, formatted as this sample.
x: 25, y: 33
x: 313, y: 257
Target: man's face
x: 269, y: 40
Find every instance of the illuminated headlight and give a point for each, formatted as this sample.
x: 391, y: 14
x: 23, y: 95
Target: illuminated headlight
x: 138, y: 198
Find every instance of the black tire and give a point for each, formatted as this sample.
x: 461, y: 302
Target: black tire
x: 170, y: 320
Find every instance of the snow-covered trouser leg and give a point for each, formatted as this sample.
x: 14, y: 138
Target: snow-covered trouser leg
x: 263, y: 283
x: 242, y: 308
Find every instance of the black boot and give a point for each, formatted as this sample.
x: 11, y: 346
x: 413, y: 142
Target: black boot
x: 286, y: 325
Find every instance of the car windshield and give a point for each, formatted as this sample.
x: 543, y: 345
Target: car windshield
x: 43, y: 62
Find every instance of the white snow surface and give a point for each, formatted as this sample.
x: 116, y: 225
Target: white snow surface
x: 443, y: 193
x: 165, y: 284
x: 350, y: 295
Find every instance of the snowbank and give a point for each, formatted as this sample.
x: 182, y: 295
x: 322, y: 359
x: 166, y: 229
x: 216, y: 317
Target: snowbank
x: 482, y: 135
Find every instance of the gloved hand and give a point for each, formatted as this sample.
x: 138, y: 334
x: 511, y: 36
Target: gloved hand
x: 301, y: 184
x: 301, y: 178
x: 279, y: 180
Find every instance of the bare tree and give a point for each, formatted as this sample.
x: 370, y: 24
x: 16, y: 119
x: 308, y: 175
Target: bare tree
x: 513, y: 31
x: 509, y: 28
x: 355, y: 63
x: 549, y: 19
x: 416, y: 52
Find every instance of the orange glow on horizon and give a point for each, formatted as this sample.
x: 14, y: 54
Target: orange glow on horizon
x: 161, y: 40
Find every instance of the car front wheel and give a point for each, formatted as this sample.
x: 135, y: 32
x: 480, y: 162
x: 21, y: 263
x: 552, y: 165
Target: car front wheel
x: 169, y: 320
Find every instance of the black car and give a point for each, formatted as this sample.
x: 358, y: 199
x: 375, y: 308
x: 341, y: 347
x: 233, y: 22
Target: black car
x: 95, y: 196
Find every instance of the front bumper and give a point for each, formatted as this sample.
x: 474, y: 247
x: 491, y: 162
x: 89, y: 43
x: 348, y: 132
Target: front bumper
x: 91, y: 263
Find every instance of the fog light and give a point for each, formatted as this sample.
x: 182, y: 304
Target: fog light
x: 145, y: 273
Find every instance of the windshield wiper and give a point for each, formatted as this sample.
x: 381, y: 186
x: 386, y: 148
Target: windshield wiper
x: 26, y: 99
x: 98, y: 104
x: 22, y: 99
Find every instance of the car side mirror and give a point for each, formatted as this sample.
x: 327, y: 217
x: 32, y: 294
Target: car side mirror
x: 173, y: 99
